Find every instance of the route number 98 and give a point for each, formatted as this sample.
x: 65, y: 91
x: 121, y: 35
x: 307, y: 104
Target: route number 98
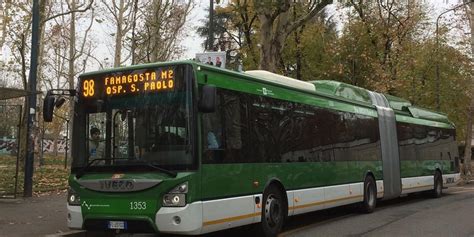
x: 88, y: 88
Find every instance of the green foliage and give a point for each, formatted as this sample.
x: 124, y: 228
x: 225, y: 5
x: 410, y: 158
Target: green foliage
x: 317, y: 48
x: 388, y: 50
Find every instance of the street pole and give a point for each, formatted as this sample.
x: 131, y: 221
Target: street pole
x: 29, y: 161
x: 211, y: 25
x: 438, y: 80
x: 67, y: 141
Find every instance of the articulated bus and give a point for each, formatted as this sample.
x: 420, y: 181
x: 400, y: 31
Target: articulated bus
x: 189, y: 148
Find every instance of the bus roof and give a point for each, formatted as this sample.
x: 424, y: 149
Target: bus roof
x: 351, y: 92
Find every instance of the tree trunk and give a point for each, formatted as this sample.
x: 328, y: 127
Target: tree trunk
x: 55, y: 146
x: 275, y: 26
x: 40, y: 130
x: 133, y: 48
x: 267, y: 61
x: 272, y: 40
x: 119, y: 35
x: 24, y: 114
x: 467, y: 148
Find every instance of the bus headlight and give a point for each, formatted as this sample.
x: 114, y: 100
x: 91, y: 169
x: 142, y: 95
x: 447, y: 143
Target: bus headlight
x: 73, y: 198
x: 176, y: 197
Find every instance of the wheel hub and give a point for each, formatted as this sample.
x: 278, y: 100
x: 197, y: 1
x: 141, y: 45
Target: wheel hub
x: 272, y: 211
x: 370, y: 196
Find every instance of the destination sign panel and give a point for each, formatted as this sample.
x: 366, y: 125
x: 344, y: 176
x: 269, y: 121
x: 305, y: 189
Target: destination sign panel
x: 117, y: 84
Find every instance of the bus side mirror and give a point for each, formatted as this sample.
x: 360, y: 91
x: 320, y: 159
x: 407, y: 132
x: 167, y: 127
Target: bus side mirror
x: 207, y: 102
x: 48, y: 107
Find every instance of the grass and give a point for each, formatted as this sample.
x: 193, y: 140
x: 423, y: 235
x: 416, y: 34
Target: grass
x: 49, y: 177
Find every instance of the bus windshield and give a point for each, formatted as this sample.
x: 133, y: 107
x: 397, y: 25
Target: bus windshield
x: 138, y: 118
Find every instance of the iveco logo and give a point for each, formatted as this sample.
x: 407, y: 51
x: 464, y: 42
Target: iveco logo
x: 116, y: 185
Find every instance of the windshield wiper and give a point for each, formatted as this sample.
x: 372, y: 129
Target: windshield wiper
x: 159, y: 168
x: 82, y: 171
x: 171, y: 173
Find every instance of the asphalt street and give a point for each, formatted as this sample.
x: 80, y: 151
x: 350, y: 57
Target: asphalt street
x: 414, y: 215
x: 37, y: 216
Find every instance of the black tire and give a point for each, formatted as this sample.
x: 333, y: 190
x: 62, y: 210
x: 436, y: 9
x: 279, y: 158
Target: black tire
x: 274, y: 211
x: 438, y: 185
x: 370, y: 195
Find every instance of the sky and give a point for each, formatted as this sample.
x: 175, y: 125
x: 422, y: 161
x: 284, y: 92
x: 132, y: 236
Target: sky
x: 193, y: 42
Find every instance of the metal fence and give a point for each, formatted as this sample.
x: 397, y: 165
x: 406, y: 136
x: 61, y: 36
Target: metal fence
x: 10, y: 118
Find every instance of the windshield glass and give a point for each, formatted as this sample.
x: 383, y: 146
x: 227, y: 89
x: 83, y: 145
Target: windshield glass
x: 134, y: 118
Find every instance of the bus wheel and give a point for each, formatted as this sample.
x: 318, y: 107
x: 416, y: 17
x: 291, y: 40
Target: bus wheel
x: 273, y: 211
x: 370, y: 195
x: 438, y: 185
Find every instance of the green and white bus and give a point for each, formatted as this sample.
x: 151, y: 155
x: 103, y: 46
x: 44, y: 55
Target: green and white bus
x: 190, y: 148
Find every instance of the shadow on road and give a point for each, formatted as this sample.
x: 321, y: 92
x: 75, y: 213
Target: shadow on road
x: 318, y: 218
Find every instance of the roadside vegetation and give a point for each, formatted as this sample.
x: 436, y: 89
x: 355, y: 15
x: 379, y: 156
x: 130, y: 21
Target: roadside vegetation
x: 49, y: 177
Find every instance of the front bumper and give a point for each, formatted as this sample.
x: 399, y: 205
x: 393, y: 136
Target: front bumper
x: 74, y: 217
x: 182, y: 220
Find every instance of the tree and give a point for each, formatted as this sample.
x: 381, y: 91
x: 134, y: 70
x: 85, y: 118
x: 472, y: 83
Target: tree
x: 309, y: 53
x: 163, y: 26
x: 276, y: 24
x: 385, y: 30
x: 236, y: 27
x: 64, y: 49
x: 122, y: 16
x: 470, y: 113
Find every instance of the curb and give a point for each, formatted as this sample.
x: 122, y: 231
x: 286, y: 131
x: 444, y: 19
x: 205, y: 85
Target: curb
x: 73, y: 233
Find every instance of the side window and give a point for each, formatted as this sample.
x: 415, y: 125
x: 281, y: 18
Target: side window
x: 406, y: 141
x: 420, y: 134
x: 211, y: 134
x: 224, y: 130
x: 251, y: 128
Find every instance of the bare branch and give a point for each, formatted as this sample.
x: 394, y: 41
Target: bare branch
x: 85, y: 37
x: 21, y: 49
x: 69, y: 12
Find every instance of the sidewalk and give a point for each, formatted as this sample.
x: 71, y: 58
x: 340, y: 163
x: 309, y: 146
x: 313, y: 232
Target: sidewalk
x: 36, y: 216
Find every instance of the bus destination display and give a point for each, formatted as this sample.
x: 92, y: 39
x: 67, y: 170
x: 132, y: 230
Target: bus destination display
x: 128, y: 83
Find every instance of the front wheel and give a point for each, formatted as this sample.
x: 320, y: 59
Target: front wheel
x: 274, y: 211
x: 370, y: 195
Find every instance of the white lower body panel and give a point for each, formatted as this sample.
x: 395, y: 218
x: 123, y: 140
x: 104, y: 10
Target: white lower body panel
x: 417, y: 184
x: 451, y: 179
x: 230, y: 212
x: 215, y: 215
x: 424, y: 183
